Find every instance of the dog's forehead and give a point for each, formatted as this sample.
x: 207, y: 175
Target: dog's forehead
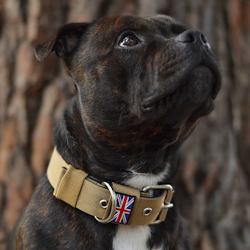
x: 117, y: 24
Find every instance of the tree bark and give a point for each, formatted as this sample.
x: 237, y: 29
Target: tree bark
x: 213, y: 184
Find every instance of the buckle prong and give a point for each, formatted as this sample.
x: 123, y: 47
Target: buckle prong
x: 169, y: 205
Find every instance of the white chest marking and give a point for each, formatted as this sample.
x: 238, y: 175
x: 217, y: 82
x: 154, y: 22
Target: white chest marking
x: 136, y: 237
x: 131, y: 238
x: 141, y: 180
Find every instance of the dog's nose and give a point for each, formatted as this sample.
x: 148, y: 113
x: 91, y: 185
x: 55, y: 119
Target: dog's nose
x: 192, y: 36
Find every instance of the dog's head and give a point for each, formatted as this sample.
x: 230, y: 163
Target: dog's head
x: 142, y: 85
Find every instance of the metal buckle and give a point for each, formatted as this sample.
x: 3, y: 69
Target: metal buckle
x: 166, y: 204
x: 113, y: 205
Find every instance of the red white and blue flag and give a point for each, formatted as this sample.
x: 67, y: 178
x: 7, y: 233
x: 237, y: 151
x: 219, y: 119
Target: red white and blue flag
x: 124, y: 205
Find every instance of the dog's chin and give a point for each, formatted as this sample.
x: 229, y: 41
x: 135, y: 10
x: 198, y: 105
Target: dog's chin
x: 193, y: 96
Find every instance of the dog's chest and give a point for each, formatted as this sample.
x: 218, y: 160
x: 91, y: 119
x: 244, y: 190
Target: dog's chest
x: 131, y: 237
x: 136, y: 237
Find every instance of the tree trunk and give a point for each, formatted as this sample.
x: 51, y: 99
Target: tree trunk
x: 213, y: 184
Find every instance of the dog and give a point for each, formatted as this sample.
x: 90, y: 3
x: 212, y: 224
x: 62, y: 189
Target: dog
x: 142, y: 85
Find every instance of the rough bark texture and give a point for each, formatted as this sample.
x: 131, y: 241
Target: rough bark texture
x: 213, y: 185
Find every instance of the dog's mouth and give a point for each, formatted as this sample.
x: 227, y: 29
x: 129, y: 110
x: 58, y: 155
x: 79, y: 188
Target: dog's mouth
x: 206, y: 75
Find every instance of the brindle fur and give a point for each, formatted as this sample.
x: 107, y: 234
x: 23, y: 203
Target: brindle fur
x: 111, y: 126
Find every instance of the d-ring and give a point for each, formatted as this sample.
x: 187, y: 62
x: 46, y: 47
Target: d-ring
x: 113, y: 205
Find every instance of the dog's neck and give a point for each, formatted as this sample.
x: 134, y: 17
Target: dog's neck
x: 77, y: 148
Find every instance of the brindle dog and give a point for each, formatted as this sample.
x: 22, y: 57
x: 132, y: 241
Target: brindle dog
x: 142, y: 84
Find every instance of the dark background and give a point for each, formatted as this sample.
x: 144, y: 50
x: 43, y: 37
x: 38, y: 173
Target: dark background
x: 213, y: 184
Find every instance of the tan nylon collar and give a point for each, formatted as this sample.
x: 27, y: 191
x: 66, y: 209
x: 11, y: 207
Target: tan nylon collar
x: 108, y: 203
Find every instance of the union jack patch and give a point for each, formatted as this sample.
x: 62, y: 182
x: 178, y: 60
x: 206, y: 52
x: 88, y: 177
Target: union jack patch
x: 124, y: 205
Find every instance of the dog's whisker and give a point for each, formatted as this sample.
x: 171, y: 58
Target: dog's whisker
x: 120, y: 119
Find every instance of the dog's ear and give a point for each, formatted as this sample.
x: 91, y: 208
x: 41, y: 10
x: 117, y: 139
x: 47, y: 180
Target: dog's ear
x: 64, y: 42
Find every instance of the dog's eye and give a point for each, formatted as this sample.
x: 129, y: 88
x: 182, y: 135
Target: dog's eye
x: 129, y: 40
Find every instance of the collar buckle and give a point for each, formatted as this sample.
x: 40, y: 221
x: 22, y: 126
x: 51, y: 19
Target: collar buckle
x: 166, y: 204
